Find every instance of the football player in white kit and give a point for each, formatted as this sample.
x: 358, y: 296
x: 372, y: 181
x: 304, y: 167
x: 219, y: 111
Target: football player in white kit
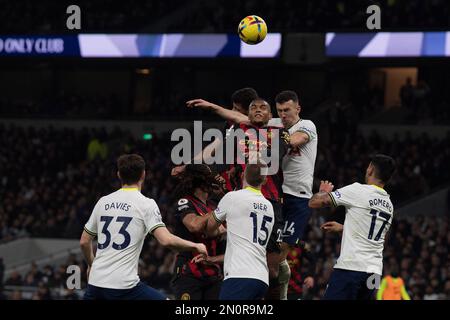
x: 249, y: 218
x: 369, y: 214
x: 298, y: 174
x: 121, y: 221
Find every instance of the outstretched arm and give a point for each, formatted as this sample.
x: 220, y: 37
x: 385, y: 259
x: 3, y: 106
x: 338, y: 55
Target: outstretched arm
x: 204, y: 156
x: 322, y: 199
x: 167, y: 239
x: 226, y: 114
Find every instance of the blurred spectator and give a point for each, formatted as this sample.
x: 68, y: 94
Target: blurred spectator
x: 16, y: 295
x: 15, y: 279
x: 2, y: 272
x: 407, y: 94
x: 2, y: 295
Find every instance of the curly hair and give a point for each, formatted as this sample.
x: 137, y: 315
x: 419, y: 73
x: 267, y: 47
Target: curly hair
x: 195, y: 176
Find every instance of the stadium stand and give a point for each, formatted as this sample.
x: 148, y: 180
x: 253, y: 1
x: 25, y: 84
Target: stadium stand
x: 219, y: 16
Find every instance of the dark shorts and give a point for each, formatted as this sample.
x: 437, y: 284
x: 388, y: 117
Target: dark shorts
x: 243, y: 289
x: 140, y: 292
x: 190, y: 288
x: 348, y: 285
x: 276, y: 236
x: 296, y: 214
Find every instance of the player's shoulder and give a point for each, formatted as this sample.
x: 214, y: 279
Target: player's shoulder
x: 183, y: 204
x: 356, y: 186
x: 232, y: 194
x: 146, y: 202
x: 109, y: 197
x: 353, y: 189
x: 305, y: 123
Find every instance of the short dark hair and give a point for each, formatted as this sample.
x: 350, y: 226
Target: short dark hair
x: 253, y: 174
x: 259, y: 99
x: 285, y: 96
x: 130, y: 168
x: 384, y: 167
x: 244, y: 96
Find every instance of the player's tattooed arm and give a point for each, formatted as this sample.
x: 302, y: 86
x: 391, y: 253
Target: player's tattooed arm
x: 225, y: 113
x: 322, y: 199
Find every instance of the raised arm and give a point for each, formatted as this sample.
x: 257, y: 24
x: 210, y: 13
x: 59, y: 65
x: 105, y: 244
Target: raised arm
x: 224, y: 113
x: 322, y: 199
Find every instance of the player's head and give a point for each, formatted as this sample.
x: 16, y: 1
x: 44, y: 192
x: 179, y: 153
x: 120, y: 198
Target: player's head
x: 259, y: 112
x: 131, y: 169
x: 195, y: 177
x: 288, y: 107
x: 381, y: 168
x: 253, y: 174
x: 242, y: 98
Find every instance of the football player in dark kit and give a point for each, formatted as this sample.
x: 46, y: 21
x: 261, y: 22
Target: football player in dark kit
x: 197, y: 281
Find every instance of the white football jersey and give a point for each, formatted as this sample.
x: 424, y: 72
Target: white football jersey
x: 298, y: 165
x: 250, y: 220
x: 369, y: 214
x: 121, y: 221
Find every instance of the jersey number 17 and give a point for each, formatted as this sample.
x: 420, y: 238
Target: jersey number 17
x: 385, y: 216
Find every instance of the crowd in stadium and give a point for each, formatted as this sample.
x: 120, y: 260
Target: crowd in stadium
x: 52, y: 178
x: 419, y: 104
x: 218, y: 16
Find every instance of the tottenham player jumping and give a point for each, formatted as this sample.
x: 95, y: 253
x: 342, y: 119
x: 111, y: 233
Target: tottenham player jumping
x: 121, y: 220
x: 369, y: 214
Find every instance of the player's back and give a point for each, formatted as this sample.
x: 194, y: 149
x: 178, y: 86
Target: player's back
x: 121, y: 221
x: 249, y: 224
x: 369, y: 216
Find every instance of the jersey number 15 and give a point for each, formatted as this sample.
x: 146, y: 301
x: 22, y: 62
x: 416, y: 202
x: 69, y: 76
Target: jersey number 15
x: 264, y: 229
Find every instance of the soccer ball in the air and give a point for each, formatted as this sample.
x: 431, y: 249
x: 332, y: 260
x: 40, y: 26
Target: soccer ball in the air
x: 252, y: 30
